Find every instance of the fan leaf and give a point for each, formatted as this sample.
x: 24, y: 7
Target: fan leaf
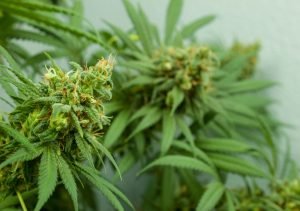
x: 116, y: 128
x: 181, y: 161
x: 173, y: 15
x: 224, y: 145
x: 237, y: 165
x: 169, y: 130
x: 47, y: 177
x: 68, y: 179
x: 17, y: 136
x: 211, y: 197
x: 189, y: 30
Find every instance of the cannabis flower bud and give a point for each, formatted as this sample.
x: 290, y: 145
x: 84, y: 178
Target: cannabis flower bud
x: 189, y: 67
x: 65, y: 117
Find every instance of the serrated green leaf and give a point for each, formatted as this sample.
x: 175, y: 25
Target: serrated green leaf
x: 238, y: 108
x: 242, y: 120
x: 17, y: 136
x: 149, y: 119
x: 180, y: 161
x: 116, y: 191
x: 189, y: 30
x: 156, y: 35
x: 76, y: 20
x: 58, y: 108
x: 141, y: 80
x: 267, y: 132
x: 6, y: 82
x: 84, y: 149
x: 93, y: 115
x: 36, y: 37
x: 186, y: 132
x: 236, y: 64
x: 168, y: 131
x: 237, y: 165
x: 178, y: 40
x: 36, y: 5
x: 42, y: 20
x: 195, y: 151
x: 139, y: 26
x: 124, y: 37
x: 96, y: 180
x: 248, y: 86
x: 113, y: 106
x: 211, y: 197
x: 142, y: 112
x: 103, y: 150
x: 243, y: 98
x: 141, y: 66
x: 68, y: 179
x: 224, y: 145
x: 77, y: 124
x: 7, y: 101
x: 172, y: 17
x: 21, y: 155
x: 116, y: 128
x: 47, y: 177
x: 215, y: 105
x: 9, y: 59
x: 40, y: 57
x: 177, y: 97
x: 147, y: 28
x: 127, y: 161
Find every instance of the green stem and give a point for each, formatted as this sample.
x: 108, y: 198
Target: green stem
x: 13, y: 200
x: 21, y: 201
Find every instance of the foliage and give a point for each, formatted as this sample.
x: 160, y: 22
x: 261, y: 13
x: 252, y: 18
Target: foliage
x: 62, y: 31
x: 54, y: 128
x: 188, y: 115
x: 284, y: 195
x: 193, y: 107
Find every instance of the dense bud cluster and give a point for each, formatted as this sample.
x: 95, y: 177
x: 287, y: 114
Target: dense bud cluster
x: 72, y: 99
x: 189, y: 67
x: 283, y: 195
x: 248, y: 53
x: 70, y: 107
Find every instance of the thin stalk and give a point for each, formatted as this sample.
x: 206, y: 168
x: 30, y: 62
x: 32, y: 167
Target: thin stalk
x: 21, y: 201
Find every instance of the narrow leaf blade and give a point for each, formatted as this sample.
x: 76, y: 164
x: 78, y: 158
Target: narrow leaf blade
x: 211, y: 197
x: 47, y: 177
x: 169, y: 129
x: 180, y: 161
x: 68, y: 179
x: 173, y: 15
x: 191, y: 28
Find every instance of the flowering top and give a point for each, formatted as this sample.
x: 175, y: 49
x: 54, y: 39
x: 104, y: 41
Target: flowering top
x: 190, y: 67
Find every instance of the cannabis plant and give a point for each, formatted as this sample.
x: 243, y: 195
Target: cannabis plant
x: 52, y: 135
x: 62, y: 31
x: 193, y: 107
x: 284, y: 195
x: 281, y: 195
